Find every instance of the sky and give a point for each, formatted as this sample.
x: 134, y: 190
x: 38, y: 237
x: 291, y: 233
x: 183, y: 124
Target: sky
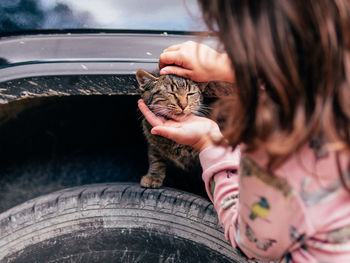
x: 131, y: 14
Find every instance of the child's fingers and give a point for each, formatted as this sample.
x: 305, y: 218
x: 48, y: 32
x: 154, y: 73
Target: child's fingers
x: 149, y: 115
x: 170, y: 58
x: 173, y: 48
x: 186, y: 73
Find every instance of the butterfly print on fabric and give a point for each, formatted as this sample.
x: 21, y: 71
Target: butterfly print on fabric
x: 261, y: 243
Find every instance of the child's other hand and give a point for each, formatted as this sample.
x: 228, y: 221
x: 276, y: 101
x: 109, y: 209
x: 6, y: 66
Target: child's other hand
x: 195, y: 131
x: 197, y: 62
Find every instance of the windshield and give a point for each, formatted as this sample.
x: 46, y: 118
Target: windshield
x: 22, y: 15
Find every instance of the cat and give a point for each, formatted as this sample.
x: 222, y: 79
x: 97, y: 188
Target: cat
x: 171, y: 97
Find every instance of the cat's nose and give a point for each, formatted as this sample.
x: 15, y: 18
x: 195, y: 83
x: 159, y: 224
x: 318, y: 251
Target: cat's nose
x: 183, y: 105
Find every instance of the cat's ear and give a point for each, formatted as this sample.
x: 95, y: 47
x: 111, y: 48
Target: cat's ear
x: 144, y: 77
x: 202, y: 85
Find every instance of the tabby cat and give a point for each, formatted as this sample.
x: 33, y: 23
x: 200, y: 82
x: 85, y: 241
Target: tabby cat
x: 171, y: 97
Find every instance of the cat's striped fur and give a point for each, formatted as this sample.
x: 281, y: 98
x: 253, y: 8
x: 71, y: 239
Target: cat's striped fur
x: 171, y: 97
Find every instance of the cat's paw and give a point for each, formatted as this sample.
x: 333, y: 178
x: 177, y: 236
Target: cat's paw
x: 151, y: 181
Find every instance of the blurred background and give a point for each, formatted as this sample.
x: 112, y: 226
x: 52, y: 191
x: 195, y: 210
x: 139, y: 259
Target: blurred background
x: 182, y: 15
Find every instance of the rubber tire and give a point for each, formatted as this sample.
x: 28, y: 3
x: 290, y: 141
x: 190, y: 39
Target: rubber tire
x: 114, y: 223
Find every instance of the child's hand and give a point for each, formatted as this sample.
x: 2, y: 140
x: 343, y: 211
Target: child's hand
x: 197, y: 62
x: 195, y: 131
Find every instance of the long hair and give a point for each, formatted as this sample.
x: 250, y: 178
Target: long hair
x: 292, y: 65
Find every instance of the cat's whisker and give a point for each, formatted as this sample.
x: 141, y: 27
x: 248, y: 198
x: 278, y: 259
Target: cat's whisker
x: 206, y: 107
x: 155, y: 106
x: 162, y: 112
x: 141, y: 117
x: 197, y: 113
x: 202, y: 111
x: 158, y: 110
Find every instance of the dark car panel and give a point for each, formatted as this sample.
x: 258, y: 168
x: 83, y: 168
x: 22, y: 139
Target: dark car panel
x: 69, y: 113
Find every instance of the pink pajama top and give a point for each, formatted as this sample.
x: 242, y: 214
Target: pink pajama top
x: 300, y: 213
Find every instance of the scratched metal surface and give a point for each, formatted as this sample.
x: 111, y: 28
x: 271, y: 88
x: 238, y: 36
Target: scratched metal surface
x: 67, y: 85
x: 45, y: 64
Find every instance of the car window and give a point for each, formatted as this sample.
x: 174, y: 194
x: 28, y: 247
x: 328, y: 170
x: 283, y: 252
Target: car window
x: 21, y: 15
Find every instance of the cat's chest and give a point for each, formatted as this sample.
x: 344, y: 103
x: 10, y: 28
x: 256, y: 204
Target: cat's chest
x: 182, y: 155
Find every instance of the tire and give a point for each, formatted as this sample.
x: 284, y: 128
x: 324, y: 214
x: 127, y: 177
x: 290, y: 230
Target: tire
x: 114, y: 223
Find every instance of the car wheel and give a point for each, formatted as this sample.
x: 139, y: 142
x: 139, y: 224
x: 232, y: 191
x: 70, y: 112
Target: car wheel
x: 114, y: 223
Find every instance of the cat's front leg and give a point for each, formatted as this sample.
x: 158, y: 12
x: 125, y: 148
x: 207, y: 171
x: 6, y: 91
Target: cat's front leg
x: 156, y: 171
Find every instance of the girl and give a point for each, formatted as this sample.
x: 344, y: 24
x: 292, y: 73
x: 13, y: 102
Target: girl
x: 277, y: 169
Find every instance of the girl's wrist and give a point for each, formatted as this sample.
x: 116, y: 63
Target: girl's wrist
x: 226, y: 73
x: 208, y: 140
x: 206, y: 144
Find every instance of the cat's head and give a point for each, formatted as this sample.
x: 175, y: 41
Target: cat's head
x: 170, y: 96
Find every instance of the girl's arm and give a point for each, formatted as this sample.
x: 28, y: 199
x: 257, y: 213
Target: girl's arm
x: 220, y: 166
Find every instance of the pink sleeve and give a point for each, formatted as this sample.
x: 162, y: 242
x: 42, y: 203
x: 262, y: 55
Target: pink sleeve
x: 286, y: 216
x: 260, y: 232
x: 223, y: 163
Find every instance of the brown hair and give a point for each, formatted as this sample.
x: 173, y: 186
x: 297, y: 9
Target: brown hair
x: 292, y: 64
